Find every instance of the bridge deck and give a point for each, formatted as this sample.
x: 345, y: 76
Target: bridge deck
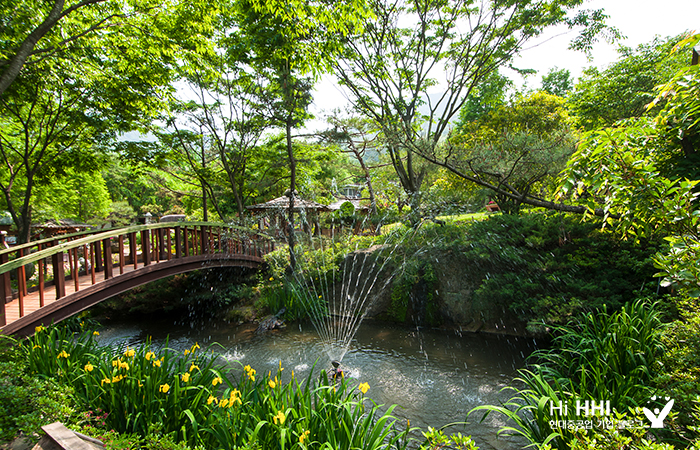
x: 31, y: 301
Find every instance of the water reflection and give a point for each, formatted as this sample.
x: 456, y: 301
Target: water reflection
x: 435, y: 377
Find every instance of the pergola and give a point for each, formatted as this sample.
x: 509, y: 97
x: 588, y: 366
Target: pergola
x: 272, y: 214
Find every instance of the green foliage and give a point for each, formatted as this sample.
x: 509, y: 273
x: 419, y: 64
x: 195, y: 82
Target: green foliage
x: 516, y: 148
x: 136, y: 184
x: 121, y: 214
x: 547, y: 267
x: 413, y: 297
x: 680, y: 377
x: 602, y: 356
x: 164, y: 396
x: 436, y: 439
x: 620, y: 435
x: 484, y: 98
x: 311, y: 286
x: 77, y: 194
x: 625, y: 88
x: 411, y: 44
x: 642, y: 174
x: 100, y: 69
x: 28, y: 402
x: 529, y: 413
x: 288, y: 295
x: 611, y: 356
x: 449, y: 194
x: 557, y: 82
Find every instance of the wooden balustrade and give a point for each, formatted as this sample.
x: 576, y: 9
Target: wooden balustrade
x: 90, y: 253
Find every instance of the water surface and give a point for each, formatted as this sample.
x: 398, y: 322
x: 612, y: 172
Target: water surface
x: 435, y: 376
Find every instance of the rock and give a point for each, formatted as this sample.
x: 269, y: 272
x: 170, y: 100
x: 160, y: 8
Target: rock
x: 271, y: 322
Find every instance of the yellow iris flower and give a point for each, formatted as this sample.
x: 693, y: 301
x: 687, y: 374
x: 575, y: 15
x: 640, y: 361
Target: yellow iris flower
x: 279, y: 418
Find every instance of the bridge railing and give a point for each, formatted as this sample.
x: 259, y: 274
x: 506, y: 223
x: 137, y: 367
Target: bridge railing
x: 105, y: 251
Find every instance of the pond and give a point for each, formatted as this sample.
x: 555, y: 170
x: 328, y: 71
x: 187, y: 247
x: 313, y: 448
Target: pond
x: 435, y: 376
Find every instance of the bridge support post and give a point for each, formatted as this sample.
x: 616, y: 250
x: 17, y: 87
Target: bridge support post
x: 178, y: 243
x: 5, y: 291
x: 146, y: 247
x: 107, y: 248
x: 186, y: 235
x: 59, y: 275
x: 133, y: 252
x: 98, y: 257
x: 205, y: 240
x: 160, y: 245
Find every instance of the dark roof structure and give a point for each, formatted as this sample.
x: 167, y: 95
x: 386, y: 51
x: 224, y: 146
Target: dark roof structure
x: 62, y: 226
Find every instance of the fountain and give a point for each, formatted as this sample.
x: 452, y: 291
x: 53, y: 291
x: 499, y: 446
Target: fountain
x: 337, y: 300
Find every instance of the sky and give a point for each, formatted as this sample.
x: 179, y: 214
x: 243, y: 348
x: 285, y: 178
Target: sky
x: 638, y: 20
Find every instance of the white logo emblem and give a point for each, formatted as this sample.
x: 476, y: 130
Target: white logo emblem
x: 657, y: 418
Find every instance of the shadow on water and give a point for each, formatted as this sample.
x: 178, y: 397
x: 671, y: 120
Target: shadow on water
x: 435, y: 376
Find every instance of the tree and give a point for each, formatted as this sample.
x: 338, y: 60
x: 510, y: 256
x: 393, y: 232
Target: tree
x: 78, y: 194
x: 285, y: 42
x: 137, y: 183
x: 489, y: 94
x: 74, y: 96
x: 407, y: 48
x: 226, y: 121
x: 518, y: 148
x: 359, y: 137
x: 557, y: 82
x: 28, y: 27
x: 44, y: 131
x: 625, y: 88
x: 621, y: 168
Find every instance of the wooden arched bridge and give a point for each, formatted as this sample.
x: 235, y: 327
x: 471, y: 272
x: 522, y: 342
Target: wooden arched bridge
x: 52, y: 279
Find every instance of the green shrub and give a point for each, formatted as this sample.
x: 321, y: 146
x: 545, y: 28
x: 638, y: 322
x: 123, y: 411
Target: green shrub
x: 608, y: 356
x: 204, y: 292
x: 680, y: 377
x: 28, y: 402
x: 413, y: 289
x: 545, y: 268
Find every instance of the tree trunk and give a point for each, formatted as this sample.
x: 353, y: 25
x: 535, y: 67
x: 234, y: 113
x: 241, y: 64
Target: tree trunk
x: 292, y: 189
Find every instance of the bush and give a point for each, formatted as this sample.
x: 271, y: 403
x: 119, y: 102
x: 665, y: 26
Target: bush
x: 546, y: 268
x: 202, y: 293
x: 680, y: 377
x: 28, y: 402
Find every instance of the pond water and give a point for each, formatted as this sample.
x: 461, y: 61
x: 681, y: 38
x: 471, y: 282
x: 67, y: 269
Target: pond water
x: 435, y: 376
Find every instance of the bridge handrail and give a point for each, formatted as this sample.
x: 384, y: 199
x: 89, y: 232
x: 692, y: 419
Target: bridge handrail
x: 112, y: 232
x: 31, y: 244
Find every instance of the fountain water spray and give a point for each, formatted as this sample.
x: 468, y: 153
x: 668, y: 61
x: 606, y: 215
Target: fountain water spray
x: 337, y: 300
